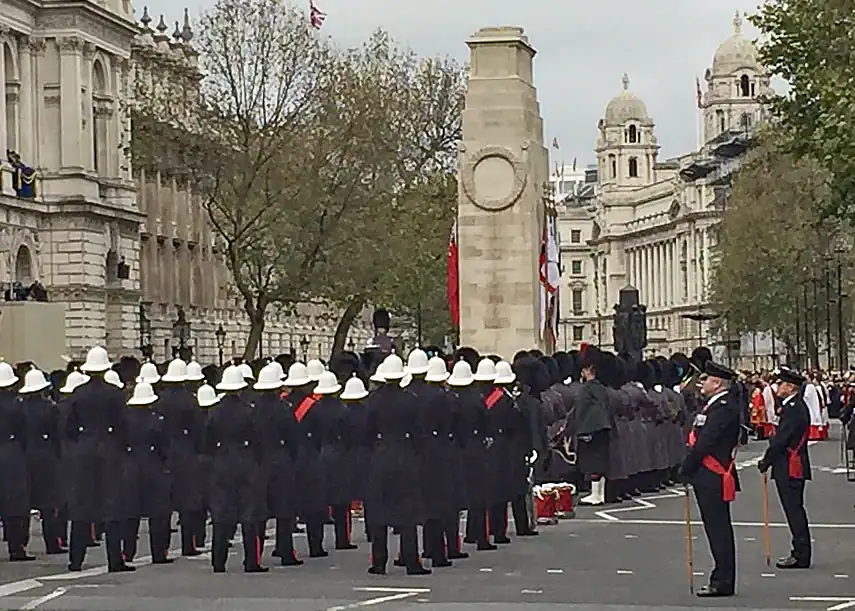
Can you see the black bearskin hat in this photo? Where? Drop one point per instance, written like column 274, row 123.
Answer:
column 552, row 370
column 700, row 357
column 128, row 369
column 645, row 374
column 494, row 357
column 344, row 365
column 630, row 366
column 656, row 366
column 589, row 357
column 607, row 369
column 285, row 360
column 470, row 355
column 382, row 319
column 681, row 361
column 73, row 366
column 257, row 365
column 532, row 375
column 536, row 353
column 212, row 374
column 520, row 354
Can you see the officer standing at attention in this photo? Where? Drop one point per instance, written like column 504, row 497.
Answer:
column 710, row 467
column 787, row 455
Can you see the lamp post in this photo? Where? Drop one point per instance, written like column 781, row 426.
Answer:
column 181, row 333
column 351, row 345
column 145, row 333
column 220, row 333
column 828, row 354
column 304, row 347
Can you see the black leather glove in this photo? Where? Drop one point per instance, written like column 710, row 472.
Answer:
column 763, row 466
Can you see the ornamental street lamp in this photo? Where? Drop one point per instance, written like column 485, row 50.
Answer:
column 220, row 333
column 145, row 333
column 351, row 345
column 304, row 346
column 181, row 334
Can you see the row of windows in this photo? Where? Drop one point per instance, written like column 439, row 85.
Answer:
column 632, row 167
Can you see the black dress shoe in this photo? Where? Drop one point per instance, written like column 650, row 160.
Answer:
column 292, row 561
column 715, row 591
column 418, row 570
column 124, row 568
column 255, row 569
column 458, row 555
column 439, row 564
column 528, row 533
column 319, row 554
column 56, row 551
column 501, row 540
column 376, row 570
column 486, row 547
column 791, row 563
column 75, row 568
column 21, row 557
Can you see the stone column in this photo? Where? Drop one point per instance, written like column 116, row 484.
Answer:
column 26, row 143
column 71, row 102
column 705, row 245
column 503, row 168
column 3, row 71
column 37, row 52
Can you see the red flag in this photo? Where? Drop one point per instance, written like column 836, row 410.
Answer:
column 454, row 278
column 698, row 92
column 316, row 16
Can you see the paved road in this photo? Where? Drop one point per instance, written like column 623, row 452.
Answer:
column 629, row 557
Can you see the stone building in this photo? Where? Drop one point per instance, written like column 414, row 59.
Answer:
column 651, row 223
column 123, row 249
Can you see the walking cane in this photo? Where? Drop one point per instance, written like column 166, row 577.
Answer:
column 767, row 538
column 690, row 555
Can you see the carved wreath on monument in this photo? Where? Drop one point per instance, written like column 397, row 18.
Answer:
column 502, row 170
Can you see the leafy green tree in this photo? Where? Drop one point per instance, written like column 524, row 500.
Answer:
column 772, row 242
column 811, row 44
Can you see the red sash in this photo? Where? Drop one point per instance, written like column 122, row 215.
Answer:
column 728, row 481
column 304, row 406
column 794, row 464
column 493, row 398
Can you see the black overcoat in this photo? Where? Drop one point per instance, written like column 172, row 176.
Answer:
column 332, row 416
column 312, row 501
column 185, row 426
column 394, row 489
column 358, row 451
column 14, row 481
column 473, row 438
column 503, row 423
column 147, row 473
column 97, row 450
column 441, row 465
column 44, row 456
column 277, row 431
column 237, row 483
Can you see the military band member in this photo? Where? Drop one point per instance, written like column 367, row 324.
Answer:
column 787, row 455
column 710, row 467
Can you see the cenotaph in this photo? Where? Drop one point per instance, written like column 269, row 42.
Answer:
column 503, row 169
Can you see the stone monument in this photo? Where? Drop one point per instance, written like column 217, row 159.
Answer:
column 504, row 167
column 630, row 324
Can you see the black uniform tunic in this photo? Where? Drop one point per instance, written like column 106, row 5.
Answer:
column 97, row 450
column 277, row 431
column 44, row 457
column 334, row 433
column 311, row 481
column 185, row 424
column 503, row 422
column 148, row 474
column 14, row 482
column 473, row 431
column 394, row 487
column 237, row 486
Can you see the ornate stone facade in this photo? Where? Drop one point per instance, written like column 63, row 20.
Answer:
column 102, row 238
column 652, row 223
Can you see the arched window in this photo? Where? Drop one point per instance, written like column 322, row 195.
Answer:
column 633, row 134
column 11, row 86
column 745, row 121
column 633, row 167
column 745, row 86
column 100, row 117
column 24, row 266
column 613, row 166
column 720, row 120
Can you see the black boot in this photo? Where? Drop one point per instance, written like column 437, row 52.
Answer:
column 158, row 532
column 220, row 546
column 252, row 548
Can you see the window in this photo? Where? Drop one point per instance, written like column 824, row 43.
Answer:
column 633, row 134
column 745, row 86
column 578, row 333
column 577, row 301
column 613, row 163
column 576, row 268
column 745, row 121
column 575, row 236
column 633, row 167
column 722, row 125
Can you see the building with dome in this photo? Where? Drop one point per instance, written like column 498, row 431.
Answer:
column 127, row 251
column 651, row 223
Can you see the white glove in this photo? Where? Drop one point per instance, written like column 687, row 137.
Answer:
column 533, row 458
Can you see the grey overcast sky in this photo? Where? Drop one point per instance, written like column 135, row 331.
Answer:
column 584, row 48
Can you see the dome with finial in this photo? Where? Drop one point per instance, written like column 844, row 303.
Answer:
column 187, row 31
column 736, row 53
column 176, row 35
column 626, row 106
column 145, row 20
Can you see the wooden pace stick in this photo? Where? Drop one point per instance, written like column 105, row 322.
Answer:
column 767, row 537
column 690, row 555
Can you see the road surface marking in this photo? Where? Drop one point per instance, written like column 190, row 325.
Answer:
column 486, row 570
column 555, row 571
column 606, row 516
column 699, row 523
column 531, row 591
column 38, row 602
column 374, row 601
column 623, row 572
column 841, row 576
column 842, row 606
column 767, row 574
column 390, row 590
column 641, row 504
column 8, row 589
column 822, row 599
column 750, row 539
column 698, row 573
column 630, row 536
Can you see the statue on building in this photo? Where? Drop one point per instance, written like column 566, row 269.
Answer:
column 23, row 176
column 630, row 324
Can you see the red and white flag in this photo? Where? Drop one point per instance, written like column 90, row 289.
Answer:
column 316, row 16
column 698, row 92
column 550, row 279
column 454, row 278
